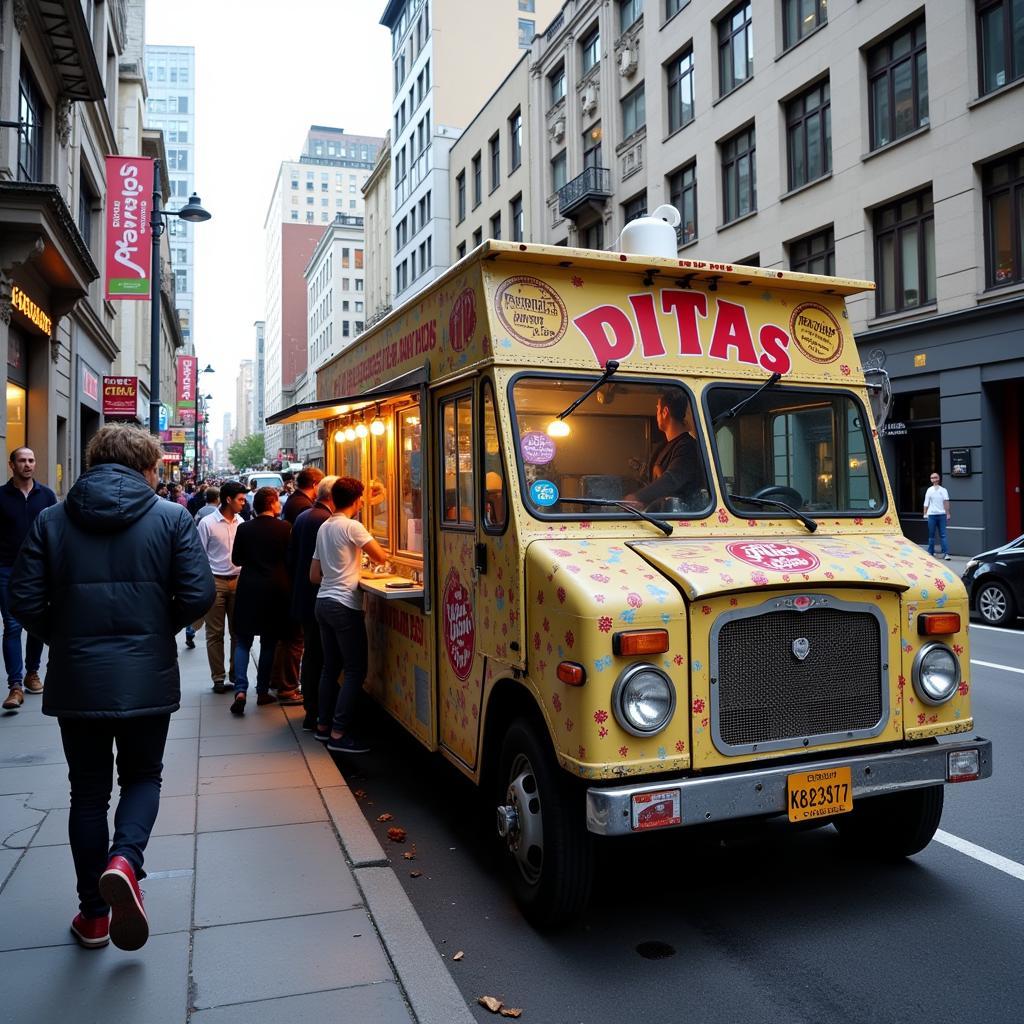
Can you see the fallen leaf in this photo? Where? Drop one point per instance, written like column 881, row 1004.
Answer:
column 459, row 955
column 510, row 1011
column 385, row 817
column 415, row 874
column 409, row 855
column 492, row 1004
column 359, row 793
column 397, row 835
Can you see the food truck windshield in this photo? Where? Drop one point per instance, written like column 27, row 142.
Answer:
column 639, row 442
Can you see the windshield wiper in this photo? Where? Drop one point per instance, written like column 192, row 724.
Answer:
column 729, row 413
column 775, row 503
column 609, row 368
column 665, row 528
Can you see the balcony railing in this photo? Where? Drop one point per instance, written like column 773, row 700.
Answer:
column 595, row 183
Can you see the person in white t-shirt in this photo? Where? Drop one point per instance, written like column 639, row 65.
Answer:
column 936, row 511
column 337, row 558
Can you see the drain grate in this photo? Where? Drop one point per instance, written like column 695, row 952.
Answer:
column 655, row 950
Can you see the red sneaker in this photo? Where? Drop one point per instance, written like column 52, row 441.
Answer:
column 129, row 926
column 91, row 932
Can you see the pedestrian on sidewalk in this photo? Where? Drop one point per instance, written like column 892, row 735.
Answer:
column 339, row 610
column 106, row 579
column 263, row 597
column 936, row 511
column 304, row 593
column 288, row 659
column 217, row 537
column 211, row 495
column 21, row 500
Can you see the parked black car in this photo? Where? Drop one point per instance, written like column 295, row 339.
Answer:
column 995, row 583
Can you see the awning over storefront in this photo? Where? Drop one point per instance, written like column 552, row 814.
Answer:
column 328, row 408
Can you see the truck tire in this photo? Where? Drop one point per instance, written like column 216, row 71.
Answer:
column 893, row 826
column 547, row 849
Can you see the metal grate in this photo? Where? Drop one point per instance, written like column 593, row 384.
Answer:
column 766, row 694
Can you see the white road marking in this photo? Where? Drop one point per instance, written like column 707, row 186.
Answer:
column 993, row 664
column 1000, row 863
column 1005, row 630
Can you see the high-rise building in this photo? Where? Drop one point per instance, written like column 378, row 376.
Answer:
column 309, row 192
column 243, row 398
column 258, row 380
column 229, row 434
column 170, row 77
column 446, row 54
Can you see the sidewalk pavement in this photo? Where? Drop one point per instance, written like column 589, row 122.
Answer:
column 270, row 898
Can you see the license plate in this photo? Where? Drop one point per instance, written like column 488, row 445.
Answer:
column 657, row 810
column 819, row 794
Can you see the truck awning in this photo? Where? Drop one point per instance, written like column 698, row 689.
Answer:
column 328, row 408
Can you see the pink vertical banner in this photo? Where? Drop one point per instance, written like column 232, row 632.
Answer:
column 128, row 248
column 188, row 367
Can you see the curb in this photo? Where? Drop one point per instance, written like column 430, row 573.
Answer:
column 429, row 988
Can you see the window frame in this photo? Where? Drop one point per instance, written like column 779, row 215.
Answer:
column 896, row 230
column 750, row 154
column 517, row 222
column 590, row 49
column 795, row 7
column 981, row 9
column 460, row 195
column 674, row 79
column 494, row 159
column 478, row 178
column 515, row 140
column 1014, row 189
column 886, row 74
column 828, row 251
column 685, row 187
column 30, row 154
column 635, row 206
column 726, row 37
column 801, row 121
column 456, row 525
column 563, row 157
column 494, row 530
column 634, row 100
column 632, row 9
column 556, row 81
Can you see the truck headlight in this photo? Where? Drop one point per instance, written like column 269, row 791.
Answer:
column 936, row 673
column 643, row 700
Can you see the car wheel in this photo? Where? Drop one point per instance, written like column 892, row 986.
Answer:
column 995, row 603
column 541, row 826
column 893, row 826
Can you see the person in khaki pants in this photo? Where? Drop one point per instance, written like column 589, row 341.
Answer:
column 217, row 536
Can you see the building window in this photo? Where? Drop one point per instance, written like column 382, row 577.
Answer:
column 477, row 180
column 515, row 213
column 558, row 178
column 87, row 201
column 814, row 254
column 679, row 74
column 809, row 135
column 494, row 151
column 527, row 6
column 460, row 250
column 590, row 47
column 739, row 175
column 592, row 147
column 905, row 254
column 478, row 237
column 556, row 84
column 898, row 85
column 592, row 236
column 1003, row 183
column 496, row 227
column 457, row 452
column 30, row 137
column 515, row 140
column 800, row 18
column 527, row 30
column 629, row 13
column 634, row 116
column 635, row 207
column 1000, row 42
column 682, row 190
column 735, row 48
column 460, row 195
column 673, row 7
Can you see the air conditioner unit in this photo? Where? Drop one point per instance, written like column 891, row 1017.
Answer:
column 588, row 99
column 627, row 61
column 557, row 130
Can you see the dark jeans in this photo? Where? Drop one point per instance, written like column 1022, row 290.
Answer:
column 937, row 525
column 343, row 632
column 312, row 666
column 89, row 748
column 243, row 648
column 12, row 639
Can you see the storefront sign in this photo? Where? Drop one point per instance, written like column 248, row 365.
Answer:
column 897, row 428
column 188, row 366
column 128, row 255
column 174, row 434
column 23, row 303
column 90, row 384
column 173, row 452
column 779, row 557
column 960, row 462
column 120, row 396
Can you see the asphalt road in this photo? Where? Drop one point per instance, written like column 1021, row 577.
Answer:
column 777, row 925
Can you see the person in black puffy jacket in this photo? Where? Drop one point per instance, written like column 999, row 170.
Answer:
column 106, row 579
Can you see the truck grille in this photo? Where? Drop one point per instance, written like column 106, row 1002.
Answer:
column 769, row 698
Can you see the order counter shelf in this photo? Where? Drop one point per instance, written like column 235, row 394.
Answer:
column 378, row 585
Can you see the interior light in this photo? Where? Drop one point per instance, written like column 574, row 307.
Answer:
column 339, row 436
column 361, row 430
column 558, row 428
column 377, row 426
column 350, row 434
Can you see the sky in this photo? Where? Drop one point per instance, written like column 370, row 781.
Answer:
column 265, row 71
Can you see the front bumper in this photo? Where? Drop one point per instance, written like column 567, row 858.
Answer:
column 762, row 791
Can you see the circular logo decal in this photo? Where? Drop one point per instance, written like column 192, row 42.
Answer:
column 816, row 332
column 462, row 322
column 543, row 493
column 531, row 311
column 779, row 557
column 538, row 449
column 459, row 631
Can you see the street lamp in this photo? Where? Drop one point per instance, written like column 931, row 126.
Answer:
column 194, row 213
column 200, row 405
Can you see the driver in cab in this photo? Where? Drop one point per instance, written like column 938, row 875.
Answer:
column 675, row 469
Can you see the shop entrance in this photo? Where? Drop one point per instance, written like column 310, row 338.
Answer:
column 17, row 391
column 1013, row 456
column 918, row 454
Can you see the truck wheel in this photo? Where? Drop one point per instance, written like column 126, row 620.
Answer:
column 893, row 826
column 541, row 827
column 995, row 603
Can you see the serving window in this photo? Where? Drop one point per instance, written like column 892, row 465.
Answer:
column 494, row 500
column 380, row 470
column 410, row 479
column 457, row 464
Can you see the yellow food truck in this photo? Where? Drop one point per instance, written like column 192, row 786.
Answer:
column 645, row 569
